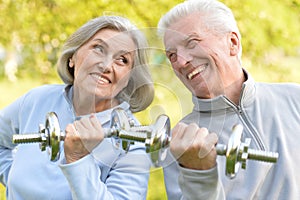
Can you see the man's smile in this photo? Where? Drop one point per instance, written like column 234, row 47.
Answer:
column 196, row 71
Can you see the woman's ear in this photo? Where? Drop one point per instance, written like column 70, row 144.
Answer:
column 234, row 43
column 71, row 62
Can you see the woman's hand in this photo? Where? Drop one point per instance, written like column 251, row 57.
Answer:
column 82, row 137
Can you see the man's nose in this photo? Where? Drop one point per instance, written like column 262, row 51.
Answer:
column 183, row 58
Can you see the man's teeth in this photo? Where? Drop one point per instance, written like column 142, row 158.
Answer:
column 196, row 71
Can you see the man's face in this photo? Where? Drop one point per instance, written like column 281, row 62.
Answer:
column 199, row 56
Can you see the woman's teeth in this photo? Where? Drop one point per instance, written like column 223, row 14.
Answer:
column 101, row 79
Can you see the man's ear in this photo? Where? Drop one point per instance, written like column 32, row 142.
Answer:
column 234, row 43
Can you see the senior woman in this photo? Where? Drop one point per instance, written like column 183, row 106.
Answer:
column 103, row 66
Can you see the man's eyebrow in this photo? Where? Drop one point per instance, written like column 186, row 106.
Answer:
column 168, row 49
column 185, row 40
column 188, row 37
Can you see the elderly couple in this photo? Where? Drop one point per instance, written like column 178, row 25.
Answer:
column 103, row 65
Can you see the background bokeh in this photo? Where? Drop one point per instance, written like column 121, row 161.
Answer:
column 32, row 33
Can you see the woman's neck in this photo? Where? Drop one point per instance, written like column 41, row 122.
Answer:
column 84, row 105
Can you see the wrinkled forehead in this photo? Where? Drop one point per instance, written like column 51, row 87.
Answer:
column 173, row 38
column 183, row 28
column 121, row 40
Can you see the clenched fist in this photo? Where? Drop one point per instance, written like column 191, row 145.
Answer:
column 82, row 137
column 193, row 147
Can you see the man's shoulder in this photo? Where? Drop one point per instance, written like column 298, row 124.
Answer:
column 280, row 88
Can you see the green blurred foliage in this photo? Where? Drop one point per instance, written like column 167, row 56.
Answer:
column 34, row 31
column 271, row 41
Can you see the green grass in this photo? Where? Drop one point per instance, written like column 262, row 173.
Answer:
column 10, row 91
column 2, row 192
column 156, row 187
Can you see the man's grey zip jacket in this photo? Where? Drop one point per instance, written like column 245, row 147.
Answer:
column 270, row 116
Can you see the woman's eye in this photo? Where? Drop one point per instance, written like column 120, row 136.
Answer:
column 99, row 48
column 122, row 60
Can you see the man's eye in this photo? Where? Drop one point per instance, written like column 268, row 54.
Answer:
column 192, row 43
column 172, row 57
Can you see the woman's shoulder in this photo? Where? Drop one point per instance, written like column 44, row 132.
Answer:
column 48, row 88
column 48, row 91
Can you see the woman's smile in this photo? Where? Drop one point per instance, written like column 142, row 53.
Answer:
column 100, row 79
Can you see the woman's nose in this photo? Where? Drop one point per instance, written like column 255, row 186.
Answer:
column 106, row 65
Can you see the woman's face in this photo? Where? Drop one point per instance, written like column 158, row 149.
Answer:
column 102, row 65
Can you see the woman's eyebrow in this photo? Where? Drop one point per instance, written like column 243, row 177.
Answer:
column 124, row 52
column 100, row 41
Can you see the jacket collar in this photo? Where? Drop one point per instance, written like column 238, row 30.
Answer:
column 104, row 116
column 222, row 102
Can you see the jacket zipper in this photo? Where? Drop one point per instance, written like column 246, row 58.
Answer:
column 248, row 125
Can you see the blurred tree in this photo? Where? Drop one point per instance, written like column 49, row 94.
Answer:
column 33, row 31
column 271, row 41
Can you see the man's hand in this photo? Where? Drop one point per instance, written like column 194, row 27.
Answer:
column 193, row 147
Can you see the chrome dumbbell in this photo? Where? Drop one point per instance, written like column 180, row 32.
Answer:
column 236, row 151
column 122, row 127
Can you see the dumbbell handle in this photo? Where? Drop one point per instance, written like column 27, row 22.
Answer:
column 253, row 154
column 132, row 135
column 28, row 138
column 41, row 137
